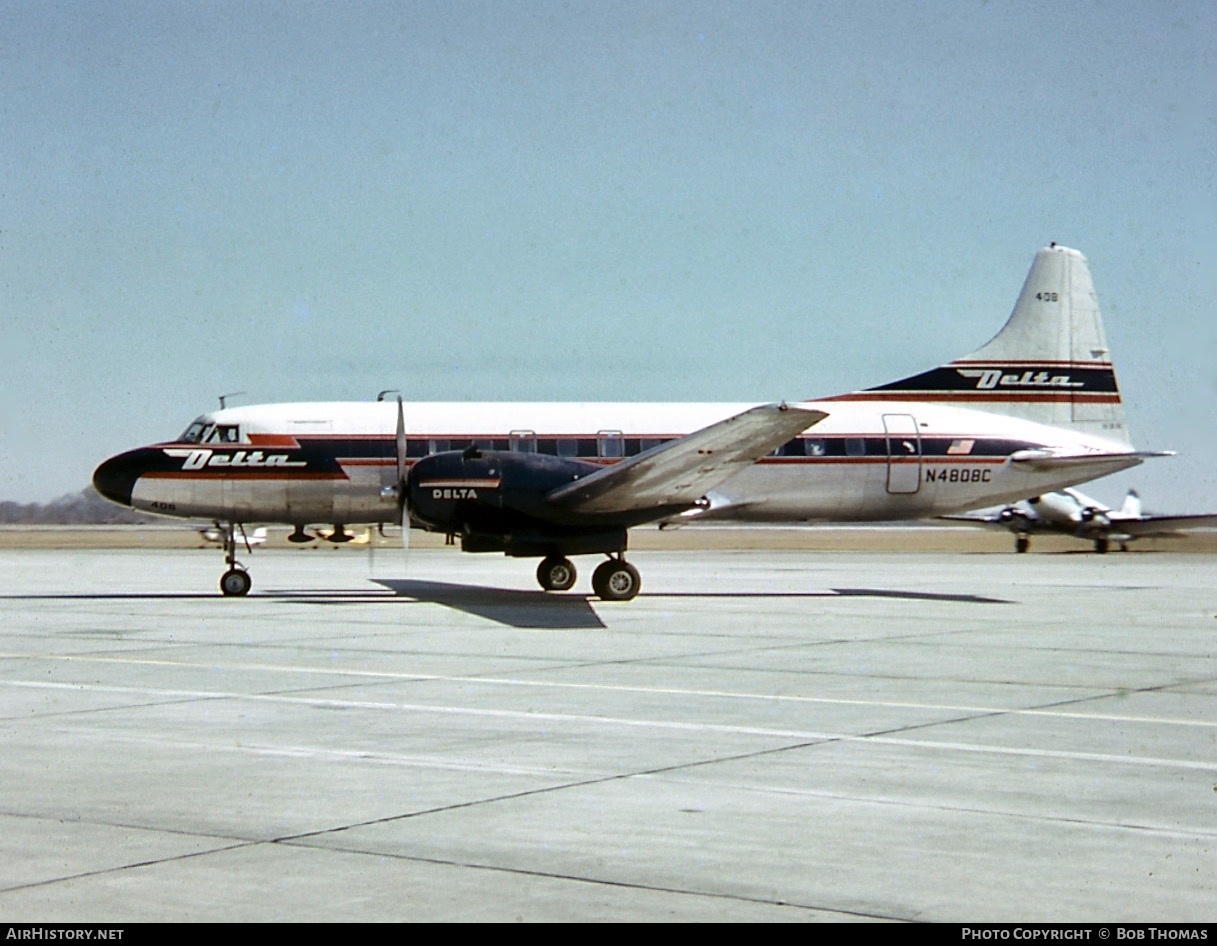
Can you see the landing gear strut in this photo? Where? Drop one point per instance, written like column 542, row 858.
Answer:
column 236, row 581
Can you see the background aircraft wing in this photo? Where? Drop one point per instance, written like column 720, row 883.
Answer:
column 1014, row 518
column 1161, row 525
column 682, row 471
column 976, row 519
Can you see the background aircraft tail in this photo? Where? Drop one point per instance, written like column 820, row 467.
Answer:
column 1131, row 509
column 1049, row 363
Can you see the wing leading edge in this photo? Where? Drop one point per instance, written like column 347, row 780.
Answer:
column 681, row 471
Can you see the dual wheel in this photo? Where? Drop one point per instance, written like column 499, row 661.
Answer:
column 614, row 580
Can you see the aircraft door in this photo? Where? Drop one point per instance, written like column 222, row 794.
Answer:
column 903, row 453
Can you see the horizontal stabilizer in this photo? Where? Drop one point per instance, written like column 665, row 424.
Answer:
column 681, row 471
column 1092, row 464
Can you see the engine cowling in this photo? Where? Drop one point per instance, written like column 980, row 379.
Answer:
column 1092, row 516
column 494, row 501
column 1014, row 519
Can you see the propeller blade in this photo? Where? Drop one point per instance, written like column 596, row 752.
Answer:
column 403, row 487
column 401, row 448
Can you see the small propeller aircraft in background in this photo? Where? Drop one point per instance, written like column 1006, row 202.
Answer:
column 217, row 534
column 1069, row 512
column 1035, row 409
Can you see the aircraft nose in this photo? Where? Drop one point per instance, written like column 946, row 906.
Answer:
column 115, row 478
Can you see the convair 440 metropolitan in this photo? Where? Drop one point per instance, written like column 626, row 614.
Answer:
column 1034, row 410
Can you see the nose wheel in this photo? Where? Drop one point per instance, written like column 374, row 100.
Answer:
column 235, row 583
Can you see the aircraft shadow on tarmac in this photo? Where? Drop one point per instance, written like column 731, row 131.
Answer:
column 524, row 609
column 539, row 609
column 511, row 607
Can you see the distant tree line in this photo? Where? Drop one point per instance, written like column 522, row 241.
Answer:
column 83, row 508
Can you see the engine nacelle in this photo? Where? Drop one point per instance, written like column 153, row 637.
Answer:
column 1014, row 519
column 489, row 493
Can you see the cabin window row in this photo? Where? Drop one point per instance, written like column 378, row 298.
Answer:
column 608, row 446
column 615, row 446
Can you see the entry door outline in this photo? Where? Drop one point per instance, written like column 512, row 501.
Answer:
column 903, row 453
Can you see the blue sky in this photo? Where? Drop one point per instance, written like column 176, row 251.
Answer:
column 587, row 201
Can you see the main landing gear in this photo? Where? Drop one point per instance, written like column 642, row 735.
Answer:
column 614, row 580
column 235, row 582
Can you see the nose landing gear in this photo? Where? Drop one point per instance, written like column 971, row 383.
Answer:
column 236, row 581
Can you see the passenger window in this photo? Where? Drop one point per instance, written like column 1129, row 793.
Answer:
column 610, row 444
column 855, row 447
column 523, row 441
column 568, row 447
column 438, row 446
column 814, row 447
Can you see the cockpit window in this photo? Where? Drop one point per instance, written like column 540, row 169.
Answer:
column 195, row 432
column 223, row 433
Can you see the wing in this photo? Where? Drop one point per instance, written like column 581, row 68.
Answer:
column 681, row 471
column 1161, row 525
column 1016, row 518
column 975, row 520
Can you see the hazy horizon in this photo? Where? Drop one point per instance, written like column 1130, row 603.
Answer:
column 584, row 201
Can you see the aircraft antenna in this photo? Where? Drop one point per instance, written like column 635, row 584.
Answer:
column 223, row 397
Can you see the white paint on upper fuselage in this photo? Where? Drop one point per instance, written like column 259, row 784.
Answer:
column 633, row 419
column 850, row 488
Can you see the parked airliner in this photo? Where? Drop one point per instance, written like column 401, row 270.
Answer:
column 1035, row 409
column 1069, row 512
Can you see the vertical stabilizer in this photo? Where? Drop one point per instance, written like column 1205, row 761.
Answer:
column 1132, row 506
column 1049, row 363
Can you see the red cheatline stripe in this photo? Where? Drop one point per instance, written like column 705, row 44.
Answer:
column 979, row 396
column 274, row 440
column 459, row 483
column 1028, row 362
column 935, row 459
column 233, row 473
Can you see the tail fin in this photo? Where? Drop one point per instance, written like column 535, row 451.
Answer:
column 1049, row 363
column 1131, row 509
